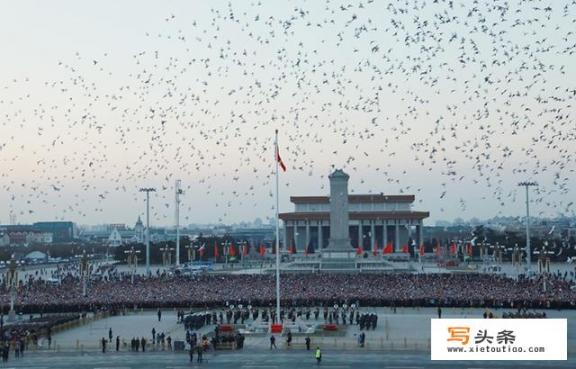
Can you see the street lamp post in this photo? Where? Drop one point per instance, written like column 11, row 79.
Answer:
column 179, row 192
column 132, row 260
column 84, row 272
column 191, row 252
column 526, row 185
column 226, row 246
column 148, row 190
column 12, row 279
column 544, row 263
column 497, row 253
column 167, row 255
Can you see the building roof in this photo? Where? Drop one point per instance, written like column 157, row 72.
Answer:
column 36, row 255
column 338, row 173
column 356, row 215
column 353, row 199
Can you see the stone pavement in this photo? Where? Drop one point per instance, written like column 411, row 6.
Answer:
column 134, row 324
column 407, row 329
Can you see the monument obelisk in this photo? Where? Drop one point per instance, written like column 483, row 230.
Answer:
column 339, row 253
column 339, row 235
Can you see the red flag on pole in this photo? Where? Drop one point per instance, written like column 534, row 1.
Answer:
column 201, row 251
column 279, row 159
column 216, row 251
column 358, row 251
column 469, row 249
column 292, row 248
column 422, row 249
column 232, row 250
column 262, row 250
column 387, row 249
column 453, row 249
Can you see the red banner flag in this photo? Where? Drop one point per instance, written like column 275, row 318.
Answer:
column 405, row 249
column 387, row 249
column 453, row 248
column 358, row 251
column 262, row 250
column 232, row 250
column 292, row 248
column 279, row 160
column 216, row 250
column 421, row 250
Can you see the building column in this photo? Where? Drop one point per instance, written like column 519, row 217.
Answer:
column 397, row 237
column 420, row 234
column 385, row 233
column 372, row 235
column 319, row 235
column 307, row 235
column 285, row 235
column 295, row 236
column 360, row 241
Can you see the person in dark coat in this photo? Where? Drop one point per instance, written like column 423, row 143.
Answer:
column 103, row 342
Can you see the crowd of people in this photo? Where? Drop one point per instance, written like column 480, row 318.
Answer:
column 304, row 289
column 20, row 336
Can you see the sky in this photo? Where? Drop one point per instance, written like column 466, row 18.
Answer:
column 452, row 101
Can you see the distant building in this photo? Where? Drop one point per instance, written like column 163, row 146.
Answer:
column 370, row 219
column 115, row 239
column 23, row 235
column 4, row 239
column 139, row 231
column 255, row 236
column 119, row 226
column 61, row 231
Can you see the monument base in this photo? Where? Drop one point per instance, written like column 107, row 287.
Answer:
column 338, row 260
column 338, row 254
column 12, row 315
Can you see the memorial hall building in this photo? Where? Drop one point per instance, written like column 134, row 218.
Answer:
column 373, row 220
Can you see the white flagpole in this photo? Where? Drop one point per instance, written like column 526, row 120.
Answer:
column 277, row 234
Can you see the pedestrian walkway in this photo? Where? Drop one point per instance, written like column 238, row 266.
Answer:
column 405, row 329
column 139, row 324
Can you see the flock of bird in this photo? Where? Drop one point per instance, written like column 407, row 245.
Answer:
column 446, row 99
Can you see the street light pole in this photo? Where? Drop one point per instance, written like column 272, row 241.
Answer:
column 132, row 261
column 12, row 279
column 528, row 250
column 84, row 272
column 148, row 190
column 178, row 193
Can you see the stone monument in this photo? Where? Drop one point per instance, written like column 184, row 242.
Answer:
column 339, row 253
column 339, row 235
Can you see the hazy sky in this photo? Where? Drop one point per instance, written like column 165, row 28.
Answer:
column 455, row 102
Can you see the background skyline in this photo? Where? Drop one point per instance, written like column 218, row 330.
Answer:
column 453, row 102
